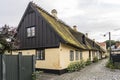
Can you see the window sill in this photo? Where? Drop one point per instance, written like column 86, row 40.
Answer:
column 31, row 37
column 41, row 59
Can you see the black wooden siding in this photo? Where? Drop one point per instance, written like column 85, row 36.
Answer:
column 45, row 36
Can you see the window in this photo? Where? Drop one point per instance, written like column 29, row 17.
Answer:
column 81, row 55
column 40, row 55
column 71, row 55
column 93, row 44
column 90, row 55
column 19, row 52
column 30, row 31
column 77, row 55
column 93, row 54
column 83, row 39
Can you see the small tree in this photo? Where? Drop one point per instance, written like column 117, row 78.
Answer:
column 6, row 36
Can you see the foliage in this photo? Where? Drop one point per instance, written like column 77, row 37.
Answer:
column 88, row 62
column 95, row 59
column 82, row 62
column 4, row 46
column 110, row 65
column 117, row 65
column 76, row 66
column 113, row 42
column 34, row 75
column 6, row 33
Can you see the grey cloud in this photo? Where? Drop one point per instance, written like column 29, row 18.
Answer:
column 95, row 16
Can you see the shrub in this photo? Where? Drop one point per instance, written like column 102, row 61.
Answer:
column 73, row 67
column 117, row 65
column 110, row 65
column 95, row 59
column 88, row 62
column 76, row 66
column 82, row 63
column 34, row 75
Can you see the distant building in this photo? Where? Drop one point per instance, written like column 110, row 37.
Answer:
column 117, row 45
column 103, row 45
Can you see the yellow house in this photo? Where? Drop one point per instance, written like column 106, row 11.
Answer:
column 54, row 43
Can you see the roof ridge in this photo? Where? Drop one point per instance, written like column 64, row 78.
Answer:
column 59, row 20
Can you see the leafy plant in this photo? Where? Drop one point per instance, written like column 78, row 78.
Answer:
column 6, row 37
column 34, row 75
column 76, row 66
column 117, row 65
column 95, row 59
column 88, row 62
column 110, row 65
column 82, row 63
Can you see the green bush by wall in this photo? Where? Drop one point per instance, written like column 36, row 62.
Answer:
column 88, row 62
column 95, row 59
column 76, row 66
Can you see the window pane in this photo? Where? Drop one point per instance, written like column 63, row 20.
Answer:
column 93, row 54
column 80, row 54
column 40, row 55
column 83, row 39
column 71, row 55
column 90, row 55
column 77, row 55
column 32, row 31
column 37, row 55
column 28, row 32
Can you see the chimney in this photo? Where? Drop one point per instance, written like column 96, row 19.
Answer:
column 75, row 27
column 86, row 34
column 54, row 13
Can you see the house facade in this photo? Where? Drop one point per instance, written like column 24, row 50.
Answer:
column 54, row 43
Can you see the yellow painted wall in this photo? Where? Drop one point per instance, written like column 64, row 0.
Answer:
column 56, row 58
column 65, row 55
column 51, row 59
column 24, row 52
column 85, row 55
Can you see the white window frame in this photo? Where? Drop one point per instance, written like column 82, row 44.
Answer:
column 40, row 54
column 31, row 31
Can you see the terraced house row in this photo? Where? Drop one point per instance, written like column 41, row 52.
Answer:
column 54, row 43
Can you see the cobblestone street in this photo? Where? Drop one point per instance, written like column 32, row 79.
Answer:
column 96, row 71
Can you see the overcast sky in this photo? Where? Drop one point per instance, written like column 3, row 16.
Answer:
column 95, row 17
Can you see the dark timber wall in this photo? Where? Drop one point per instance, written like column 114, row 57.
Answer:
column 44, row 34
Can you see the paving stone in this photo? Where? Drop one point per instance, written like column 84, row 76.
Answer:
column 96, row 71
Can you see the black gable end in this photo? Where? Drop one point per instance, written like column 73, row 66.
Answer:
column 45, row 36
